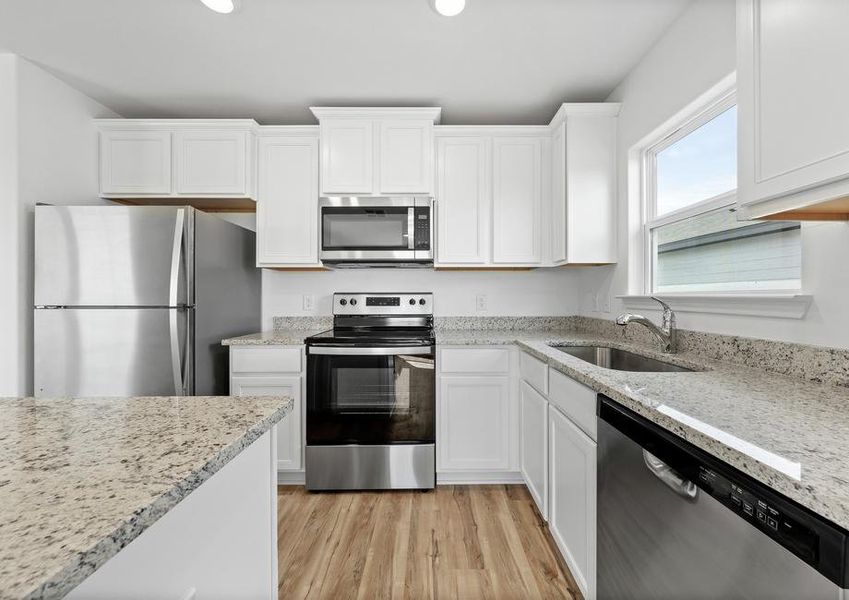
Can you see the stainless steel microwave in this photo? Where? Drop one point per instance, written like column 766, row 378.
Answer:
column 387, row 231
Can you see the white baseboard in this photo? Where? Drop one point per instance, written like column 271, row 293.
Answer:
column 478, row 477
column 290, row 478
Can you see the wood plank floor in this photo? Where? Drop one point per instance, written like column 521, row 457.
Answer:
column 455, row 542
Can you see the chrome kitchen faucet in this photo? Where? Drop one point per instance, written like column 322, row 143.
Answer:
column 666, row 334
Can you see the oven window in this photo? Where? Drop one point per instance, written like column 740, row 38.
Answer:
column 361, row 228
column 370, row 399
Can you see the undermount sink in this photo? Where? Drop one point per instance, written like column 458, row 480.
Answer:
column 620, row 360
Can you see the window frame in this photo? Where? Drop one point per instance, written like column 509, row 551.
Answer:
column 711, row 108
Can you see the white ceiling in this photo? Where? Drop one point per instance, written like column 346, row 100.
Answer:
column 500, row 61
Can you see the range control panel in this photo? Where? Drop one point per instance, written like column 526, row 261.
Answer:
column 801, row 540
column 383, row 304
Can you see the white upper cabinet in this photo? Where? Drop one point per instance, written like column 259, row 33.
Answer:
column 793, row 123
column 211, row 162
column 406, row 156
column 135, row 162
column 347, row 156
column 517, row 200
column 583, row 187
column 464, row 197
column 191, row 159
column 287, row 198
column 376, row 151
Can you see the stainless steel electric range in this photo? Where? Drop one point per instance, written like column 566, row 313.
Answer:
column 371, row 399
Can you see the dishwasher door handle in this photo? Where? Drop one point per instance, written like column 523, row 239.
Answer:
column 684, row 488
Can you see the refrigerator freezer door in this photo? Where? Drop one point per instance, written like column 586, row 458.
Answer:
column 112, row 352
column 110, row 256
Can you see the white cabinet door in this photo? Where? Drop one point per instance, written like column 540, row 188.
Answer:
column 289, row 439
column 572, row 512
column 517, row 200
column 347, row 156
column 558, row 195
column 473, row 418
column 135, row 162
column 463, row 200
column 534, row 458
column 211, row 162
column 287, row 201
column 792, row 90
column 406, row 156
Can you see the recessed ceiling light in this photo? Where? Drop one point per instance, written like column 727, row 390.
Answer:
column 449, row 8
column 220, row 6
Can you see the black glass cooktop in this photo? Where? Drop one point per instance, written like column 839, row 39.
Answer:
column 373, row 337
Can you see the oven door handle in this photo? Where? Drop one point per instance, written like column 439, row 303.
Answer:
column 355, row 351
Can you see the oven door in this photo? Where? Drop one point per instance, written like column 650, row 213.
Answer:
column 371, row 395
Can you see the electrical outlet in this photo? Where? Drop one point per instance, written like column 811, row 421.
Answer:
column 595, row 302
column 480, row 303
column 605, row 303
column 309, row 302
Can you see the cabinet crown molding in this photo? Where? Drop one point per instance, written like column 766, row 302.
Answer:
column 172, row 124
column 585, row 109
column 433, row 113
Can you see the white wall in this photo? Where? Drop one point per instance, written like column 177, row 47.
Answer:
column 696, row 53
column 542, row 292
column 55, row 161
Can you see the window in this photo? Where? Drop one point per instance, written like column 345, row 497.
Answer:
column 694, row 241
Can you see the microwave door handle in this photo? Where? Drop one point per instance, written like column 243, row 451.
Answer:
column 411, row 228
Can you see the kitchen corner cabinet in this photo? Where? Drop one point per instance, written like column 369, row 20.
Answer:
column 275, row 371
column 583, row 187
column 793, row 128
column 177, row 160
column 287, row 198
column 376, row 151
column 534, row 455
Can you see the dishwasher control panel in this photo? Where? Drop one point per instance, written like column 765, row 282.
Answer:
column 803, row 541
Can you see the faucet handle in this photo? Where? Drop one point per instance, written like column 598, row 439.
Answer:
column 668, row 314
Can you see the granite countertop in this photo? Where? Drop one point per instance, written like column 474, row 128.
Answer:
column 278, row 337
column 81, row 478
column 787, row 433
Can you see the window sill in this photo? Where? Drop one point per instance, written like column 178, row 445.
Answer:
column 788, row 305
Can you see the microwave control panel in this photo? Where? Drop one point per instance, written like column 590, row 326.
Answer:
column 422, row 227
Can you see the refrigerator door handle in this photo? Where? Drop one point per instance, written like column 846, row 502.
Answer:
column 174, row 330
column 176, row 255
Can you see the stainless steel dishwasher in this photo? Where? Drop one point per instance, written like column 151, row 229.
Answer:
column 676, row 523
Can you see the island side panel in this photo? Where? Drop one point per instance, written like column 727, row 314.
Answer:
column 219, row 542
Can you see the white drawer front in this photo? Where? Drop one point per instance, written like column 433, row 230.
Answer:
column 534, row 371
column 576, row 401
column 475, row 360
column 266, row 360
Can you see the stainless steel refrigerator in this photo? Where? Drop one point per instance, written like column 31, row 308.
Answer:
column 135, row 300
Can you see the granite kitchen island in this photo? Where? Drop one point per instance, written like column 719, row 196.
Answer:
column 148, row 497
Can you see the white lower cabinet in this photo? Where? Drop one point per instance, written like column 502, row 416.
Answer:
column 275, row 371
column 534, row 418
column 477, row 415
column 572, row 509
column 289, row 439
column 218, row 542
column 474, row 423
